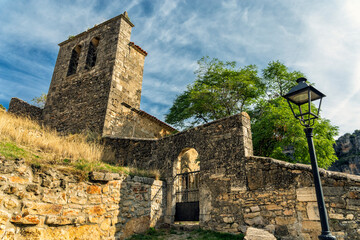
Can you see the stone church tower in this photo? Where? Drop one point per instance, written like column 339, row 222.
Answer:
column 96, row 84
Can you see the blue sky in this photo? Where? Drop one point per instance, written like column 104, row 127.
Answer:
column 320, row 38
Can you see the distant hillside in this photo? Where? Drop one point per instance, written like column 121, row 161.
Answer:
column 347, row 149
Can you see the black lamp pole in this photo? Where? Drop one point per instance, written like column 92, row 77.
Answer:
column 325, row 230
column 300, row 95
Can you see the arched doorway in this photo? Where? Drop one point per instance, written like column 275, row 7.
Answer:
column 187, row 185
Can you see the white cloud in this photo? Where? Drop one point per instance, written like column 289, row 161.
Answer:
column 319, row 38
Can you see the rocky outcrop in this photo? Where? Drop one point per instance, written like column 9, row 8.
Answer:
column 347, row 149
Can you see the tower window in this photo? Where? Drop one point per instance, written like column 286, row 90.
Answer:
column 91, row 56
column 74, row 60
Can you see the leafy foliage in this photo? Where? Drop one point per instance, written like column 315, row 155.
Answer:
column 219, row 90
column 278, row 79
column 40, row 101
column 2, row 107
column 277, row 134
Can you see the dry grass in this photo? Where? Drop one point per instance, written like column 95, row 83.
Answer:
column 53, row 148
column 23, row 138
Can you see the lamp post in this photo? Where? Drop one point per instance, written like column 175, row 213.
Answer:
column 302, row 95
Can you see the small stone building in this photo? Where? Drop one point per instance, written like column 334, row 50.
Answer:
column 96, row 86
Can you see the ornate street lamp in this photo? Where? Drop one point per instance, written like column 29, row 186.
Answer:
column 302, row 95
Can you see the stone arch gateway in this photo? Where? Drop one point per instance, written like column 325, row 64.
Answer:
column 186, row 185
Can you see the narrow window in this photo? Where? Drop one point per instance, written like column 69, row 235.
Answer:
column 74, row 60
column 91, row 56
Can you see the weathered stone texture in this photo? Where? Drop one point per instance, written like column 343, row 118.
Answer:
column 221, row 139
column 22, row 108
column 54, row 205
column 90, row 97
column 133, row 123
column 258, row 234
column 79, row 101
column 238, row 190
column 280, row 197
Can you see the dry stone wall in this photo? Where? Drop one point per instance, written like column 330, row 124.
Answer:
column 47, row 204
column 224, row 139
column 238, row 190
column 22, row 108
column 280, row 197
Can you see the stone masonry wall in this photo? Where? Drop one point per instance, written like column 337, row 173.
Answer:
column 22, row 108
column 224, row 138
column 216, row 143
column 79, row 101
column 47, row 204
column 238, row 190
column 133, row 123
column 280, row 197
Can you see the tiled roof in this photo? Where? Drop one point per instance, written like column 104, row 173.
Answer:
column 139, row 49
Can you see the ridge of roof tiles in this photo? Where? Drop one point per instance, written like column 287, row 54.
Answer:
column 138, row 48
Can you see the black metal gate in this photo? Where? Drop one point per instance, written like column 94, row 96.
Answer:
column 187, row 196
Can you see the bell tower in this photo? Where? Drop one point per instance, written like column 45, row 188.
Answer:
column 95, row 72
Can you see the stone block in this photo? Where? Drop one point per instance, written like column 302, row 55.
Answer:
column 10, row 203
column 93, row 189
column 59, row 220
column 31, row 233
column 333, row 191
column 96, row 210
column 306, row 194
column 78, row 200
column 251, row 215
column 312, row 211
column 334, row 216
column 285, row 220
column 42, row 208
column 71, row 212
column 272, row 207
column 16, row 179
column 255, row 209
column 228, row 219
column 54, row 196
column 257, row 221
column 105, row 225
column 311, row 226
column 25, row 220
column 258, row 234
column 136, row 225
column 4, row 217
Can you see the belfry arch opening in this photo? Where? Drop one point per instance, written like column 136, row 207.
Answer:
column 74, row 60
column 92, row 53
column 187, row 179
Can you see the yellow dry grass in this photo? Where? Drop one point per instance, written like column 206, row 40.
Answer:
column 52, row 147
column 23, row 138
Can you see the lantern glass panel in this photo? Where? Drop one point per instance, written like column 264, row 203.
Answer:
column 303, row 97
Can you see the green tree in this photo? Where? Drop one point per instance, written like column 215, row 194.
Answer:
column 220, row 90
column 278, row 79
column 40, row 101
column 276, row 133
